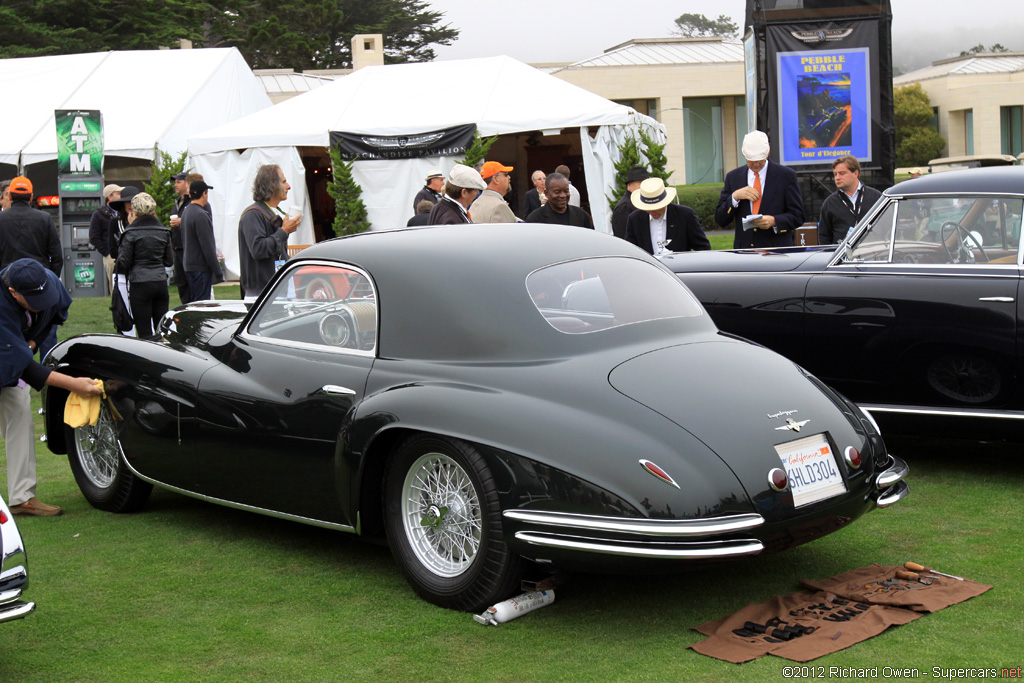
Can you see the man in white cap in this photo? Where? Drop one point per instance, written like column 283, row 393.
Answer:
column 463, row 187
column 432, row 190
column 660, row 225
column 761, row 188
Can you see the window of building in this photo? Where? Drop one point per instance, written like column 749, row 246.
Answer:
column 702, row 126
column 969, row 131
column 1011, row 125
column 741, row 129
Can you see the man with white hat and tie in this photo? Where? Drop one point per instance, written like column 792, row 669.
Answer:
column 661, row 225
column 762, row 199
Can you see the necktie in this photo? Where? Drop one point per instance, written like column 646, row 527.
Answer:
column 756, row 206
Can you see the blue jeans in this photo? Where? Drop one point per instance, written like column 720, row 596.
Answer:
column 200, row 285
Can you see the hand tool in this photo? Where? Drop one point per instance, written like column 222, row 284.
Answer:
column 911, row 576
column 915, row 567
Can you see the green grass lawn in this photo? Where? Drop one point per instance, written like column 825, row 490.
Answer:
column 189, row 591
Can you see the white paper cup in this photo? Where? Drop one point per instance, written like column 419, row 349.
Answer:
column 293, row 211
column 173, row 216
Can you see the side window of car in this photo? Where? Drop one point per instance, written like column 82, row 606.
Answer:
column 320, row 305
column 873, row 245
column 966, row 230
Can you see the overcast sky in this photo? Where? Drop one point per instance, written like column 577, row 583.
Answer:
column 571, row 30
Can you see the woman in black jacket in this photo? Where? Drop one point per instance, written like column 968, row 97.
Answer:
column 145, row 254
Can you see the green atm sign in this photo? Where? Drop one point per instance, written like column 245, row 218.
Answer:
column 79, row 186
column 79, row 142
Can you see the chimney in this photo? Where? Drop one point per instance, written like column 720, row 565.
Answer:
column 367, row 50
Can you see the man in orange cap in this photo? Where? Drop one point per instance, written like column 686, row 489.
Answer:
column 490, row 206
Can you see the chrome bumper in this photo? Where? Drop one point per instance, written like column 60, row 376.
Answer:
column 636, row 537
column 889, row 485
column 13, row 572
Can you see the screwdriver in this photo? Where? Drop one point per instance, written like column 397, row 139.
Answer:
column 911, row 576
column 914, row 566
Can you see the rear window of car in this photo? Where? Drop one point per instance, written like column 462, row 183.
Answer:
column 589, row 295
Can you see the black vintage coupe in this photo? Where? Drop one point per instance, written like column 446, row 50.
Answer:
column 490, row 399
column 919, row 314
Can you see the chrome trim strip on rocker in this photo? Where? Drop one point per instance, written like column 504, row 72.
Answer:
column 706, row 550
column 710, row 526
column 247, row 508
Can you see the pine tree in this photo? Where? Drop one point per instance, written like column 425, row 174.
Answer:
column 350, row 215
column 655, row 153
column 629, row 156
column 477, row 151
column 160, row 185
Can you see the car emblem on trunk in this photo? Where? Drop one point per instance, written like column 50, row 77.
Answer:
column 658, row 472
column 792, row 424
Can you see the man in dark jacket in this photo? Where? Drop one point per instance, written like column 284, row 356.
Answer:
column 201, row 265
column 463, row 187
column 32, row 301
column 557, row 210
column 99, row 227
column 761, row 188
column 843, row 208
column 660, row 225
column 177, row 244
column 624, row 207
column 432, row 191
column 29, row 233
column 26, row 232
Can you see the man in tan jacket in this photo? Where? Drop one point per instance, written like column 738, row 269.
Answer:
column 490, row 206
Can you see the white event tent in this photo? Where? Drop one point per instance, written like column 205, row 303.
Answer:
column 147, row 98
column 498, row 94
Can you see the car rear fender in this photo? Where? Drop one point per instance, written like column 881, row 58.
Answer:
column 563, row 443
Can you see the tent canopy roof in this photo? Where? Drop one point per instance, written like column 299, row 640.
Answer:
column 125, row 86
column 499, row 94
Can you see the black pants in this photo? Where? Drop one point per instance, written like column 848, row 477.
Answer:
column 179, row 276
column 149, row 302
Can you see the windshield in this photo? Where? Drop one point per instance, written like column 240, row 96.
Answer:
column 589, row 295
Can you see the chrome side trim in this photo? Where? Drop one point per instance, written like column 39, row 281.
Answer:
column 697, row 552
column 645, row 527
column 242, row 506
column 894, row 473
column 998, row 299
column 945, row 412
column 893, row 495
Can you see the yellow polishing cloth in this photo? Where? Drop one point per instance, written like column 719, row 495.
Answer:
column 80, row 410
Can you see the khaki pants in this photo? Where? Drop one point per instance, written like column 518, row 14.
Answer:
column 108, row 268
column 20, row 441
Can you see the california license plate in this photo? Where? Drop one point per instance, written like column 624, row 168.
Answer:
column 811, row 468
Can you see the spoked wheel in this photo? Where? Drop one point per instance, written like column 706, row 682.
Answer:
column 964, row 378
column 100, row 469
column 444, row 524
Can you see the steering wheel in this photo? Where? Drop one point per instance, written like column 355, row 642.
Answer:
column 964, row 242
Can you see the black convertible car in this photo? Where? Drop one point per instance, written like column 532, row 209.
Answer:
column 485, row 397
column 919, row 313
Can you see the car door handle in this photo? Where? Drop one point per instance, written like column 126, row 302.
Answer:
column 335, row 390
column 999, row 299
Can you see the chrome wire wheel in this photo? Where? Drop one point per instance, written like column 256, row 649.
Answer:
column 441, row 515
column 98, row 450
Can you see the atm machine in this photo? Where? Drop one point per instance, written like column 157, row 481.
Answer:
column 83, row 273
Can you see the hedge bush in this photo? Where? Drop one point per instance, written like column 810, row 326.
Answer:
column 703, row 199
